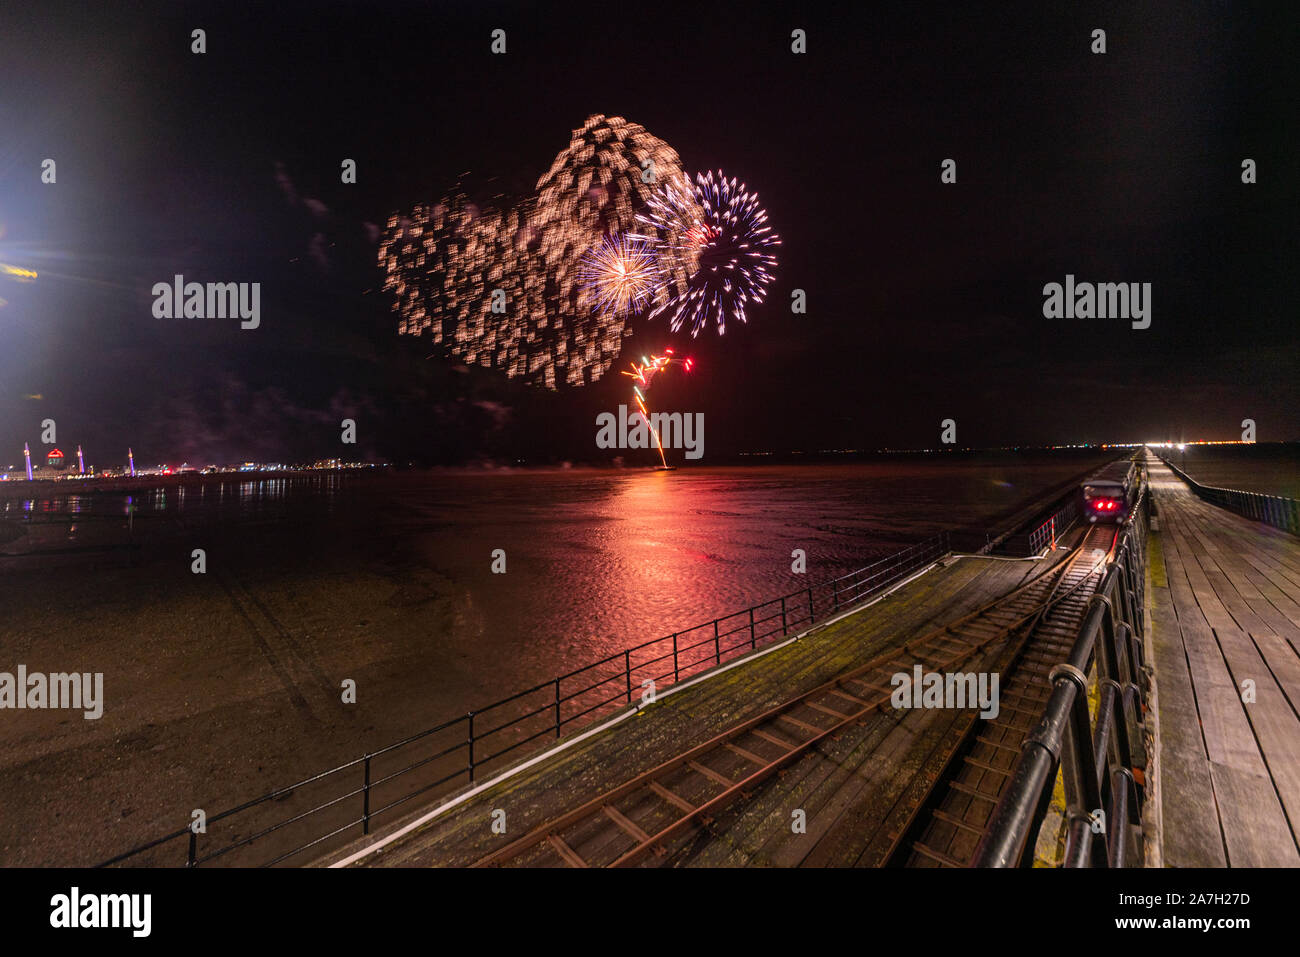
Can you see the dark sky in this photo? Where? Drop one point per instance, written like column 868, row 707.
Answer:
column 925, row 300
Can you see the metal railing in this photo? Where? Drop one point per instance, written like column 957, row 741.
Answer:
column 1046, row 534
column 1276, row 510
column 460, row 751
column 1101, row 758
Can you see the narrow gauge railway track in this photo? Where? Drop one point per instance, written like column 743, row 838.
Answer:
column 644, row 814
column 948, row 824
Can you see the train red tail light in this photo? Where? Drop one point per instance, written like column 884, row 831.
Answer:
column 1105, row 504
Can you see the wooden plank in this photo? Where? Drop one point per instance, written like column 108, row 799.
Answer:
column 747, row 755
column 985, row 766
column 1239, row 574
column 841, row 693
column 1228, row 736
column 711, row 774
column 672, row 798
column 831, row 712
column 1283, row 660
column 781, row 743
column 566, row 852
column 1234, row 558
column 957, row 822
column 625, row 823
column 973, row 792
column 1229, row 739
column 1190, row 832
column 937, row 856
column 1243, row 616
column 1203, row 592
column 1254, row 826
column 1273, row 547
column 1277, row 729
column 811, row 728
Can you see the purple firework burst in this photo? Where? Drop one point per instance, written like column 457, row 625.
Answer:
column 720, row 224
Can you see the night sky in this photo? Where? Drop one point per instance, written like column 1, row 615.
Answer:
column 924, row 300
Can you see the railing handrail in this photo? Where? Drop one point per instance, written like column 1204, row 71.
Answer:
column 1182, row 474
column 1279, row 511
column 845, row 592
column 1097, row 758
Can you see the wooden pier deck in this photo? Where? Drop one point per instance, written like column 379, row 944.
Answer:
column 850, row 788
column 1225, row 616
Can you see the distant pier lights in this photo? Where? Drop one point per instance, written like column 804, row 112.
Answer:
column 130, row 459
column 27, row 455
column 81, row 462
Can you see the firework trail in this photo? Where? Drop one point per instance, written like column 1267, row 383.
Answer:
column 445, row 263
column 644, row 374
column 731, row 239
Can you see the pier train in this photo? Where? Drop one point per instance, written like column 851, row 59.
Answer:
column 1107, row 493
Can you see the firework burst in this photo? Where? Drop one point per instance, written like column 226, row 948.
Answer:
column 447, row 264
column 544, row 289
column 619, row 276
column 729, row 238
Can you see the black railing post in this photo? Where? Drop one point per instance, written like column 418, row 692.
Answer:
column 676, row 673
column 753, row 641
column 365, row 801
column 717, row 642
column 557, row 707
column 811, row 617
column 627, row 671
column 785, row 627
column 191, row 859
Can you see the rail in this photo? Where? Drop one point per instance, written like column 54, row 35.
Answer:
column 1102, row 757
column 1056, row 525
column 1276, row 510
column 457, row 752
